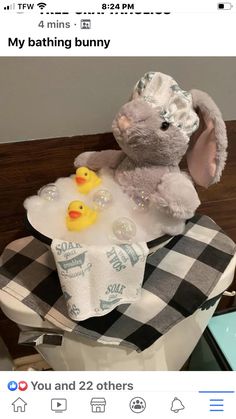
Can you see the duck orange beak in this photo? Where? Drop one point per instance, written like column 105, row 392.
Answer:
column 80, row 180
column 74, row 214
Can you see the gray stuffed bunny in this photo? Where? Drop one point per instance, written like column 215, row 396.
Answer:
column 158, row 126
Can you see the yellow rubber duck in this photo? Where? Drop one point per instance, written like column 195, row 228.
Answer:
column 79, row 216
column 86, row 180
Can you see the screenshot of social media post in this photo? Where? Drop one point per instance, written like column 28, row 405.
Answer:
column 117, row 209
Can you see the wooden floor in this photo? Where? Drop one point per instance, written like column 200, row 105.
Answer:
column 26, row 166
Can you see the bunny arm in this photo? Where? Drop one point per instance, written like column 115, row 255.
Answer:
column 96, row 160
column 176, row 196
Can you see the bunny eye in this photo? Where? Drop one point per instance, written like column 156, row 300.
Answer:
column 164, row 126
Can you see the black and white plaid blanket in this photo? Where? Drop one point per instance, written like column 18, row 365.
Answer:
column 178, row 279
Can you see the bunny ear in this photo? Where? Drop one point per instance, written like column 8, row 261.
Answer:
column 207, row 154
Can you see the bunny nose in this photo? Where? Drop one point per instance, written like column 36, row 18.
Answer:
column 123, row 123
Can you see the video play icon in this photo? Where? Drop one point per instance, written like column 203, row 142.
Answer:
column 58, row 405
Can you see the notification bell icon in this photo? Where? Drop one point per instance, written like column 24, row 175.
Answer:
column 176, row 405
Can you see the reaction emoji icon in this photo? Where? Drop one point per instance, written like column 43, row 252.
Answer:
column 22, row 386
column 13, row 385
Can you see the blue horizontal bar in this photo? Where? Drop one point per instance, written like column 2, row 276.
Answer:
column 215, row 410
column 206, row 391
column 216, row 400
column 216, row 405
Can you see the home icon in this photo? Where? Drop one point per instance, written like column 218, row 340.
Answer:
column 19, row 405
column 98, row 404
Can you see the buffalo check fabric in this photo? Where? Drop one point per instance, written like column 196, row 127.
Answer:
column 178, row 279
